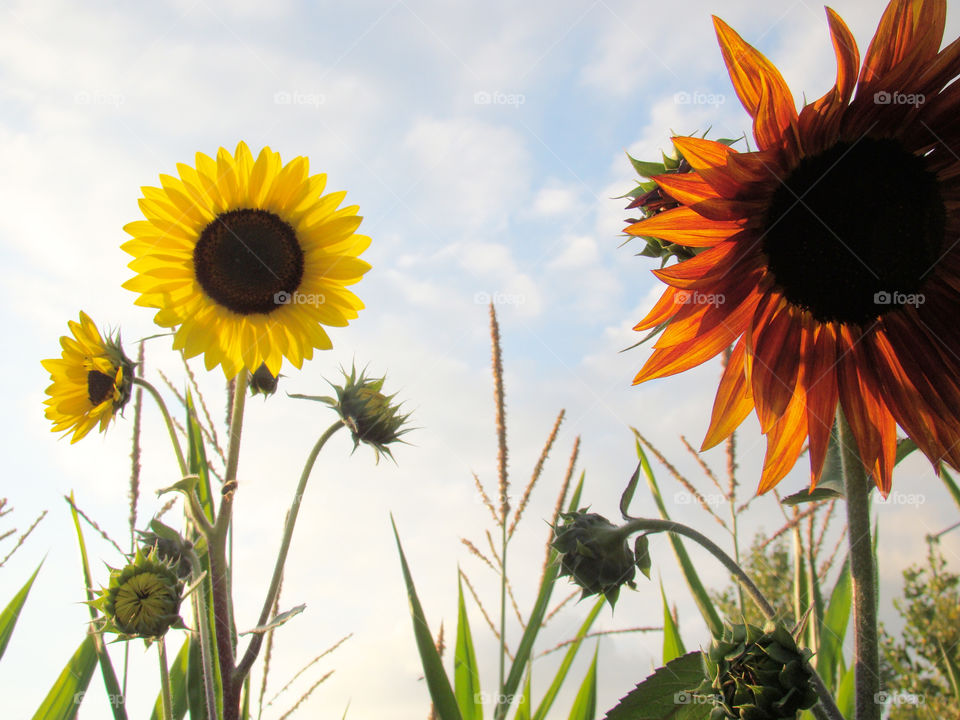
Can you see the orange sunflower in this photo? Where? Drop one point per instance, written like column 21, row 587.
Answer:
column 828, row 258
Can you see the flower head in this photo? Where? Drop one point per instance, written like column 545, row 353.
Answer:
column 758, row 674
column 595, row 554
column 90, row 380
column 246, row 259
column 829, row 256
column 142, row 599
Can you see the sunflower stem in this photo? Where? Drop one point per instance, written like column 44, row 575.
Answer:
column 219, row 570
column 146, row 385
column 253, row 649
column 164, row 680
column 829, row 705
column 863, row 575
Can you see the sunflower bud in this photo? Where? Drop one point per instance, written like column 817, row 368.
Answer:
column 262, row 382
column 758, row 674
column 595, row 554
column 370, row 415
column 142, row 599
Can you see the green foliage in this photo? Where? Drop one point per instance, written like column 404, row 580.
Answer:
column 668, row 694
column 916, row 674
column 64, row 698
column 8, row 618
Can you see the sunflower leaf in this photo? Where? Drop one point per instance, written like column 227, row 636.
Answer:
column 647, row 169
column 277, row 621
column 667, row 694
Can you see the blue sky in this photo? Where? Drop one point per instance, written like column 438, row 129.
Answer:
column 484, row 143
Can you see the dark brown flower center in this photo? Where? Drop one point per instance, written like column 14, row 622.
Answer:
column 248, row 261
column 852, row 233
column 99, row 387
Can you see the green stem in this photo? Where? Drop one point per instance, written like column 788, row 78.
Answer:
column 165, row 680
column 653, row 525
column 253, row 649
column 503, row 604
column 863, row 575
column 216, row 544
column 146, row 385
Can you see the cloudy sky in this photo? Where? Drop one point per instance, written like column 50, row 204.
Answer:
column 484, row 143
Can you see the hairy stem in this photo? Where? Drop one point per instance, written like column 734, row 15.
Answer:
column 146, row 385
column 164, row 680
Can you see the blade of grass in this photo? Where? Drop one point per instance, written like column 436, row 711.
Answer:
column 8, row 619
column 438, row 684
column 112, row 686
column 672, row 642
column 568, row 659
column 466, row 677
column 951, row 485
column 829, row 657
column 524, row 706
column 63, row 700
column 178, row 685
column 700, row 596
column 534, row 624
column 585, row 703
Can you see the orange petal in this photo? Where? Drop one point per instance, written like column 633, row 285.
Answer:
column 709, row 159
column 774, row 344
column 686, row 188
column 733, row 402
column 711, row 264
column 784, row 443
column 667, row 306
column 909, row 33
column 820, row 381
column 684, row 226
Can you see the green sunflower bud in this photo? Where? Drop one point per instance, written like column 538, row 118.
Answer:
column 758, row 674
column 142, row 599
column 371, row 416
column 595, row 554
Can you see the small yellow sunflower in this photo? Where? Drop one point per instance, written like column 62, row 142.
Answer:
column 247, row 259
column 830, row 256
column 91, row 381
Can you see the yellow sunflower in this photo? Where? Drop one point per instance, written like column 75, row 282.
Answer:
column 91, row 380
column 829, row 256
column 247, row 259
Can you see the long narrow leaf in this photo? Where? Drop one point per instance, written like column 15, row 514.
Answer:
column 846, row 697
column 444, row 701
column 112, row 686
column 700, row 596
column 525, row 703
column 196, row 692
column 534, row 623
column 178, row 685
column 585, row 703
column 8, row 618
column 466, row 675
column 951, row 485
column 568, row 658
column 672, row 642
column 829, row 657
column 197, row 458
column 63, row 700
column 953, row 671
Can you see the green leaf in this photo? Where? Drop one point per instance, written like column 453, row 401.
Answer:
column 829, row 655
column 699, row 593
column 8, row 619
column 805, row 496
column 585, row 703
column 951, row 485
column 197, row 459
column 196, row 692
column 444, row 701
column 277, row 621
column 641, row 551
column 905, row 446
column 628, row 493
column 178, row 685
column 524, row 707
column 830, row 485
column 534, row 624
column 647, row 169
column 672, row 642
column 953, row 671
column 568, row 658
column 667, row 694
column 846, row 694
column 63, row 700
column 466, row 675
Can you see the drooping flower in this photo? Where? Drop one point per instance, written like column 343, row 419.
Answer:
column 90, row 380
column 246, row 259
column 830, row 258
